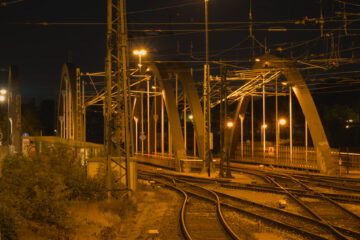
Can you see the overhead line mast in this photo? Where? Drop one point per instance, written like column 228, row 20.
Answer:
column 207, row 127
column 118, row 126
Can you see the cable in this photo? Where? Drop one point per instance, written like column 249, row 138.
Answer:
column 4, row 4
column 165, row 8
column 349, row 3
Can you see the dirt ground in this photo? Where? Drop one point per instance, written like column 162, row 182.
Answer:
column 150, row 209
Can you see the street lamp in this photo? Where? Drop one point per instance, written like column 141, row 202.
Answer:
column 136, row 133
column 3, row 93
column 282, row 121
column 139, row 52
column 229, row 124
column 263, row 128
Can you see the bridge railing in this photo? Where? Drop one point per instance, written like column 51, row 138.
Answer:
column 79, row 149
column 300, row 158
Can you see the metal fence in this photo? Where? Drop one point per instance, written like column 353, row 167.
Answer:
column 81, row 150
column 300, row 158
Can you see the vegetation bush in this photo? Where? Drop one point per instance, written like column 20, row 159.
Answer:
column 35, row 193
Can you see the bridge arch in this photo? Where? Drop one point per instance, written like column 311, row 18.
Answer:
column 71, row 115
column 325, row 161
column 164, row 73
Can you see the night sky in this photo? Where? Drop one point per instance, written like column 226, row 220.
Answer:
column 40, row 51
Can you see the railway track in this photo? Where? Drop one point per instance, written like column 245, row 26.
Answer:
column 199, row 217
column 332, row 179
column 205, row 218
column 341, row 192
column 346, row 198
column 298, row 192
column 327, row 205
column 333, row 220
column 304, row 226
column 340, row 184
column 324, row 209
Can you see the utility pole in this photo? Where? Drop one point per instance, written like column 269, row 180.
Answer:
column 14, row 111
column 148, row 114
column 252, row 127
column 222, row 119
column 116, row 73
column 263, row 127
column 130, row 170
column 291, row 124
column 108, row 113
column 207, row 156
column 277, row 135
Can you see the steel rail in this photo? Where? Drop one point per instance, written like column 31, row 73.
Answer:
column 333, row 185
column 297, row 192
column 319, row 222
column 183, row 227
column 325, row 198
column 221, row 218
column 305, row 218
column 225, row 225
column 323, row 224
column 227, row 184
column 302, row 204
column 255, row 173
column 218, row 209
column 333, row 228
column 265, row 219
column 327, row 178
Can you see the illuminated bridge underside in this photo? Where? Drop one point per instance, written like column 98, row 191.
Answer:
column 325, row 161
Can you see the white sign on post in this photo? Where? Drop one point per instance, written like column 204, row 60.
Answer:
column 142, row 136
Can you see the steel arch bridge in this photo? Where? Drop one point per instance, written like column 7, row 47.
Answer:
column 326, row 163
column 157, row 85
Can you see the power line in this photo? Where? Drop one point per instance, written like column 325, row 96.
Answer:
column 165, row 8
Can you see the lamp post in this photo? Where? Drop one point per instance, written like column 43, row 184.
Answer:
column 229, row 126
column 2, row 99
column 136, row 133
column 3, row 93
column 140, row 52
column 142, row 123
column 156, row 117
column 162, row 123
column 242, row 136
column 290, row 124
column 148, row 114
column 263, row 128
column 306, row 143
column 191, row 117
column 282, row 121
